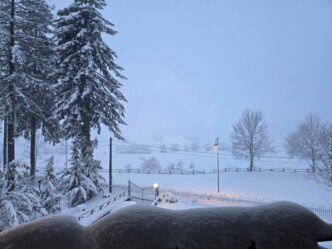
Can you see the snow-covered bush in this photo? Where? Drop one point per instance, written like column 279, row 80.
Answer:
column 171, row 166
column 186, row 147
column 208, row 147
column 179, row 165
column 195, row 146
column 48, row 196
column 166, row 197
column 174, row 147
column 163, row 148
column 192, row 166
column 46, row 190
column 151, row 163
column 18, row 200
column 82, row 179
column 128, row 167
column 49, row 169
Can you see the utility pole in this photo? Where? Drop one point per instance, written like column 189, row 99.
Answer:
column 216, row 146
column 110, row 169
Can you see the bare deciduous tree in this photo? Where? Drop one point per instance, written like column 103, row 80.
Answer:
column 304, row 141
column 324, row 161
column 250, row 139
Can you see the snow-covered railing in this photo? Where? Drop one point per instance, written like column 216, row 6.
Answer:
column 276, row 225
column 323, row 213
column 193, row 172
column 142, row 195
column 222, row 201
column 96, row 212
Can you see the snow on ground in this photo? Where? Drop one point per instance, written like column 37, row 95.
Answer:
column 243, row 186
column 249, row 186
column 123, row 205
column 252, row 186
column 181, row 205
column 199, row 161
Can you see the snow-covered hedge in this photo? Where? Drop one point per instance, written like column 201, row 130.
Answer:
column 166, row 197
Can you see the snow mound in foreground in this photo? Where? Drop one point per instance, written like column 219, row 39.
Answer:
column 273, row 226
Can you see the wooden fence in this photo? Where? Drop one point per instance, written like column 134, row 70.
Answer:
column 193, row 172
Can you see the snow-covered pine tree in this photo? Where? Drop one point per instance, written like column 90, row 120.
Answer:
column 19, row 205
column 9, row 76
column 24, row 63
column 88, row 90
column 46, row 189
column 3, row 72
column 80, row 186
column 40, row 62
column 49, row 169
column 92, row 167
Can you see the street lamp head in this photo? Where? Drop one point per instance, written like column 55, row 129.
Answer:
column 216, row 144
column 155, row 185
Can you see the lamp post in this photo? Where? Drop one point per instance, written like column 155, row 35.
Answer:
column 156, row 192
column 217, row 148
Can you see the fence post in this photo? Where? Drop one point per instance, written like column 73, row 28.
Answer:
column 142, row 195
column 110, row 183
column 156, row 192
column 129, row 194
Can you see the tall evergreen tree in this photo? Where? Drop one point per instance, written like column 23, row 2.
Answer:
column 3, row 70
column 81, row 186
column 46, row 189
column 92, row 167
column 40, row 65
column 11, row 78
column 88, row 90
column 25, row 65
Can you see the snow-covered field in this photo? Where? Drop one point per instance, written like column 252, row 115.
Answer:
column 245, row 187
column 251, row 186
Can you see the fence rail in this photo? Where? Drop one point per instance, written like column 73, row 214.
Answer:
column 193, row 172
column 145, row 195
column 110, row 201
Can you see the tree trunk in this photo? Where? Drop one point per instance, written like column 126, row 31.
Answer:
column 86, row 148
column 33, row 146
column 86, row 135
column 251, row 167
column 5, row 145
column 11, row 152
column 313, row 166
column 11, row 116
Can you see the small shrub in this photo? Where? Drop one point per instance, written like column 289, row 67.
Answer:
column 167, row 197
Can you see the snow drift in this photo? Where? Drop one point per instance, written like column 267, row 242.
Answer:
column 279, row 225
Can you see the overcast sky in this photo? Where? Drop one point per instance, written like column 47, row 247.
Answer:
column 194, row 65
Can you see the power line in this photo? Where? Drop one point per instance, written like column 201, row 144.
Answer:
column 199, row 152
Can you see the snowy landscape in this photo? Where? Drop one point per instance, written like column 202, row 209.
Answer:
column 112, row 108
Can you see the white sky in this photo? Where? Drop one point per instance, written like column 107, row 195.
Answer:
column 194, row 65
